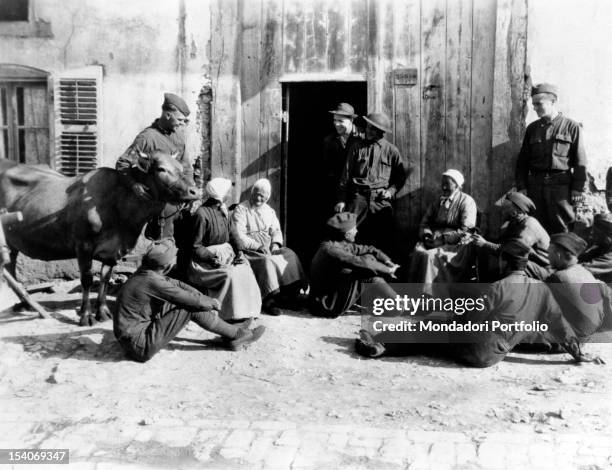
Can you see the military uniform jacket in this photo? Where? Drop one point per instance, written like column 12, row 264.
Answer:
column 334, row 256
column 370, row 166
column 152, row 139
column 148, row 294
column 553, row 145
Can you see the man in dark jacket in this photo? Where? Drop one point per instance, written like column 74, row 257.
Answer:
column 552, row 163
column 335, row 150
column 341, row 266
column 373, row 174
column 152, row 308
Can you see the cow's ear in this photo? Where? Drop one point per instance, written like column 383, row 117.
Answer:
column 143, row 162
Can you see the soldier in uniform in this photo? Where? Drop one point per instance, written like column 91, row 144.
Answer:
column 374, row 172
column 166, row 134
column 341, row 266
column 551, row 166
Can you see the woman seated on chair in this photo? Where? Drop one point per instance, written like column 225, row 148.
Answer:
column 444, row 253
column 277, row 269
column 519, row 224
column 217, row 265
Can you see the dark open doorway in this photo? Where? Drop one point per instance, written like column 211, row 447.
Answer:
column 309, row 122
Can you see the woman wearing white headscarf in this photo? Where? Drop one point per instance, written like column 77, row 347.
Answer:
column 217, row 265
column 444, row 253
column 278, row 270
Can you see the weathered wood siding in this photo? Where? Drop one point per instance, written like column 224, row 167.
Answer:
column 463, row 112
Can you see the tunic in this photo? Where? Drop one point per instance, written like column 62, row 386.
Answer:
column 371, row 168
column 452, row 261
column 152, row 309
column 155, row 138
column 257, row 227
column 234, row 285
column 581, row 298
column 530, row 232
column 514, row 298
column 337, row 270
column 552, row 161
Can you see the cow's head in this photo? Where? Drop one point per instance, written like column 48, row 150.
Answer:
column 166, row 178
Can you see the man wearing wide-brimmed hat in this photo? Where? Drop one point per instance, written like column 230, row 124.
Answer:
column 374, row 172
column 552, row 163
column 336, row 147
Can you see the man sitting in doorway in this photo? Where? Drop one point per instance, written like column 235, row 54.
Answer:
column 152, row 308
column 341, row 266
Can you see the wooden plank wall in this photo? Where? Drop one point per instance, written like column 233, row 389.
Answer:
column 470, row 60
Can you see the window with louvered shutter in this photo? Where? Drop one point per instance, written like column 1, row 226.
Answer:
column 77, row 107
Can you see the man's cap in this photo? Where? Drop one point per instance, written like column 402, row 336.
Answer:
column 456, row 175
column 379, row 120
column 344, row 109
column 160, row 254
column 545, row 88
column 603, row 222
column 516, row 249
column 176, row 101
column 343, row 221
column 521, row 201
column 570, row 242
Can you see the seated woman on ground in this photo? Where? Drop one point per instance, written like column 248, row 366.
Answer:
column 444, row 253
column 277, row 268
column 217, row 265
column 519, row 224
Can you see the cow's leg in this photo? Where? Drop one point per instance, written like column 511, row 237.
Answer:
column 102, row 311
column 85, row 262
column 12, row 266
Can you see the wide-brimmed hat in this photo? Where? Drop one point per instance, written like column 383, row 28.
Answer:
column 344, row 109
column 379, row 120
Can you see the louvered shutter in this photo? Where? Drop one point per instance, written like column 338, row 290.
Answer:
column 77, row 105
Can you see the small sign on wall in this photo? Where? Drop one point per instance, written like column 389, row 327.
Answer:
column 405, row 77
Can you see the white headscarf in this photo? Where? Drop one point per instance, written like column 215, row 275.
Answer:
column 264, row 185
column 217, row 188
column 456, row 176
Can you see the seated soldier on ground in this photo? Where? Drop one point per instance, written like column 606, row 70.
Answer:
column 518, row 223
column 576, row 290
column 598, row 258
column 515, row 298
column 277, row 268
column 444, row 253
column 152, row 308
column 340, row 266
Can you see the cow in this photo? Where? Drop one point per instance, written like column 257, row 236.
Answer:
column 94, row 216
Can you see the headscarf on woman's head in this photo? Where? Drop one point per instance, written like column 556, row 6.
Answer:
column 456, row 176
column 263, row 184
column 217, row 188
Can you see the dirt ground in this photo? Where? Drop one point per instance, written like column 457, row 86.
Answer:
column 304, row 370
